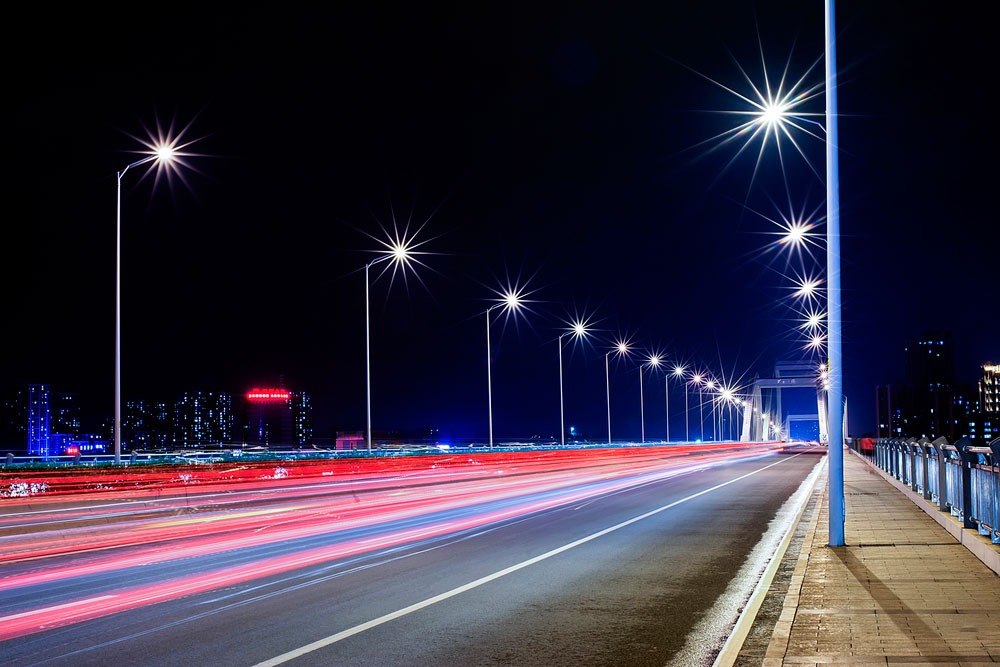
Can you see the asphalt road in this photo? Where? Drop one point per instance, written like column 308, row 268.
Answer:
column 645, row 564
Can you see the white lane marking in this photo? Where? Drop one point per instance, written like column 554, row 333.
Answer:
column 368, row 625
column 45, row 610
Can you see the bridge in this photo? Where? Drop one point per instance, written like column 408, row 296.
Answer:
column 763, row 415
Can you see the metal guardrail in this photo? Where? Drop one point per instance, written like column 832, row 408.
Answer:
column 960, row 478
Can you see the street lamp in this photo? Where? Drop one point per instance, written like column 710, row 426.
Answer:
column 400, row 256
column 510, row 302
column 620, row 349
column 679, row 373
column 578, row 329
column 652, row 361
column 698, row 379
column 710, row 385
column 162, row 154
column 726, row 396
column 774, row 116
column 835, row 406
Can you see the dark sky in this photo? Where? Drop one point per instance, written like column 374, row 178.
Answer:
column 563, row 145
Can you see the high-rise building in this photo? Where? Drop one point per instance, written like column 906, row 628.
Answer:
column 14, row 421
column 39, row 420
column 147, row 425
column 930, row 361
column 989, row 388
column 982, row 422
column 930, row 404
column 302, row 417
column 277, row 417
column 930, row 377
column 66, row 413
column 203, row 418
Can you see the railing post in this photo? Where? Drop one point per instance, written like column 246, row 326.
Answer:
column 912, row 448
column 901, row 460
column 943, row 495
column 966, row 459
column 937, row 478
column 894, row 457
column 995, row 449
column 924, row 462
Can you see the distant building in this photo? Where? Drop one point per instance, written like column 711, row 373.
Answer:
column 147, row 425
column 351, row 440
column 930, row 360
column 53, row 424
column 982, row 424
column 203, row 418
column 14, row 421
column 39, row 420
column 930, row 375
column 276, row 417
column 66, row 413
column 930, row 404
column 989, row 388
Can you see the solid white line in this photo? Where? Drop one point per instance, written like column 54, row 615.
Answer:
column 344, row 634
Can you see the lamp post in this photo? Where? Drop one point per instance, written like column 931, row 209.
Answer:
column 642, row 415
column 400, row 255
column 620, row 349
column 489, row 378
column 679, row 373
column 511, row 301
column 697, row 379
column 577, row 330
column 162, row 154
column 652, row 361
column 726, row 396
column 835, row 444
column 710, row 385
column 666, row 401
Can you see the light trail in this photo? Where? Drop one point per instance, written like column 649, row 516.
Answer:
column 305, row 528
column 399, row 613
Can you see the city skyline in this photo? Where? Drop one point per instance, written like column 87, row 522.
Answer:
column 726, row 424
column 565, row 151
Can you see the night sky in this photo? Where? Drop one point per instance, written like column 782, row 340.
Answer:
column 563, row 147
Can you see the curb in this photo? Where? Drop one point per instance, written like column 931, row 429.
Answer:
column 734, row 644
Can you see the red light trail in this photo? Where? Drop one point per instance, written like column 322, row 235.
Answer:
column 271, row 524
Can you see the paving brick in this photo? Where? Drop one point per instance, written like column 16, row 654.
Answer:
column 902, row 592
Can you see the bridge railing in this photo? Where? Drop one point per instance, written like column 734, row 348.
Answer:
column 960, row 478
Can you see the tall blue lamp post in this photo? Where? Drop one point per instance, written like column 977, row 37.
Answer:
column 400, row 254
column 699, row 380
column 835, row 399
column 653, row 361
column 620, row 349
column 511, row 301
column 679, row 374
column 710, row 385
column 162, row 155
column 577, row 330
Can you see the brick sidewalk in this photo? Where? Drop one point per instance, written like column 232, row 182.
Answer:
column 904, row 591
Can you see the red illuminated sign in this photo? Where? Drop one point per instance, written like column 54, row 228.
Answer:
column 267, row 395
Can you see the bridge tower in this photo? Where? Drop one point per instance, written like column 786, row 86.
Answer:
column 764, row 412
